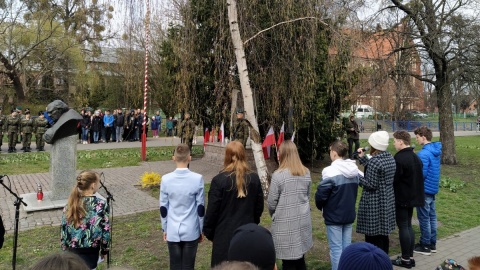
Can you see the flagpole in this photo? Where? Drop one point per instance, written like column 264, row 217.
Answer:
column 147, row 37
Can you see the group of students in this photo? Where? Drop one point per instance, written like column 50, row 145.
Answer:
column 119, row 126
column 391, row 187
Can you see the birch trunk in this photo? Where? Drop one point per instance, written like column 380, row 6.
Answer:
column 246, row 91
column 232, row 110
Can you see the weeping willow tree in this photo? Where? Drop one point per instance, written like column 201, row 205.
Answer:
column 288, row 52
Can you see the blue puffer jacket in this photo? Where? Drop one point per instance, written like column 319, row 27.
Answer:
column 430, row 156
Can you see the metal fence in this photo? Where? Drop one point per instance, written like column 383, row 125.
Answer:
column 392, row 126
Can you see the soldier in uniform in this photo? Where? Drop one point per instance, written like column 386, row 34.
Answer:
column 353, row 135
column 11, row 127
column 240, row 128
column 26, row 127
column 187, row 130
column 40, row 126
column 2, row 124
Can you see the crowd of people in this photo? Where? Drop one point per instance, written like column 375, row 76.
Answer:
column 392, row 186
column 119, row 125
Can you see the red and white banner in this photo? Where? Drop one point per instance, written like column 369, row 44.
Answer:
column 269, row 141
column 206, row 138
column 281, row 136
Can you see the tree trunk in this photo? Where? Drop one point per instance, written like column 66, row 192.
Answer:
column 447, row 136
column 12, row 73
column 246, row 91
column 232, row 110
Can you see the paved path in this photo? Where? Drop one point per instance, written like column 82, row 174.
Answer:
column 460, row 247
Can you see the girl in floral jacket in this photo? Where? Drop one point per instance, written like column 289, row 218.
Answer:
column 85, row 228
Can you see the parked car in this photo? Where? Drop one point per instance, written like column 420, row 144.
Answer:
column 420, row 115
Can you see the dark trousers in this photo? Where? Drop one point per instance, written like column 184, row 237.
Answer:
column 405, row 230
column 88, row 255
column 350, row 145
column 182, row 254
column 381, row 241
column 298, row 264
column 108, row 133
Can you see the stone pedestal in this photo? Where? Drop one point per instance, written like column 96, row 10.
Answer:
column 215, row 153
column 63, row 164
column 63, row 167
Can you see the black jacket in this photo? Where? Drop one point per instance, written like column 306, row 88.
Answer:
column 86, row 121
column 120, row 120
column 408, row 183
column 226, row 212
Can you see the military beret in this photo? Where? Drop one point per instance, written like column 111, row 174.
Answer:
column 240, row 110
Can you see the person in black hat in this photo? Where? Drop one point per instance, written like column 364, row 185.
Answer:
column 240, row 128
column 362, row 256
column 253, row 243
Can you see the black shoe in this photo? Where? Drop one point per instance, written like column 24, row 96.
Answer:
column 14, row 149
column 421, row 249
column 42, row 149
column 22, row 149
column 10, row 150
column 402, row 263
column 433, row 248
column 412, row 262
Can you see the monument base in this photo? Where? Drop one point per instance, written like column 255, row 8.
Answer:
column 46, row 204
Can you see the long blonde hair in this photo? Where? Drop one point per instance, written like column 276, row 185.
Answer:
column 76, row 210
column 235, row 162
column 289, row 159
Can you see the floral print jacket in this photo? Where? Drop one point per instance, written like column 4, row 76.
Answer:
column 94, row 230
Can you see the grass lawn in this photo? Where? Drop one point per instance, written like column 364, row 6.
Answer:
column 137, row 241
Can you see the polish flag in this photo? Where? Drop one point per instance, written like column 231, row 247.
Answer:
column 269, row 140
column 281, row 136
column 293, row 136
column 206, row 138
column 221, row 134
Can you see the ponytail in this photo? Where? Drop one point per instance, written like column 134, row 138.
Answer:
column 75, row 210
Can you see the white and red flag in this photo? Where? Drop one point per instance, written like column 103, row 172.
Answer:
column 221, row 134
column 269, row 141
column 281, row 136
column 206, row 138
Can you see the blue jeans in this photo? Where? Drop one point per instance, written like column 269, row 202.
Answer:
column 427, row 218
column 85, row 134
column 182, row 254
column 339, row 237
column 119, row 131
column 95, row 136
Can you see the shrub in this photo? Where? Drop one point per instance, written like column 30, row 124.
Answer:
column 451, row 184
column 150, row 180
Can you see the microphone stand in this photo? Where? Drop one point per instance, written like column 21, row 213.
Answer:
column 17, row 203
column 109, row 200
